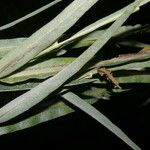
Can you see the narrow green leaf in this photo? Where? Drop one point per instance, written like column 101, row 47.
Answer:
column 11, row 24
column 41, row 70
column 121, row 60
column 54, row 111
column 134, row 79
column 44, row 37
column 94, row 113
column 106, row 20
column 89, row 29
column 92, row 27
column 37, row 94
column 131, row 43
column 29, row 85
column 18, row 87
column 95, row 35
column 57, row 110
column 7, row 45
column 133, row 66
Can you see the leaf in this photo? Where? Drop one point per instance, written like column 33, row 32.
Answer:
column 44, row 37
column 128, row 77
column 41, row 70
column 18, row 87
column 50, row 67
column 133, row 66
column 94, row 113
column 106, row 20
column 89, row 29
column 95, row 35
column 134, row 79
column 31, row 84
column 11, row 24
column 131, row 43
column 122, row 60
column 37, row 94
column 58, row 109
column 7, row 45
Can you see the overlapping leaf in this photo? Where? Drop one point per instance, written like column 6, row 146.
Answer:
column 138, row 62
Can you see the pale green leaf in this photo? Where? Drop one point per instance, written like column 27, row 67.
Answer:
column 41, row 70
column 44, row 37
column 37, row 94
column 97, row 115
column 11, row 24
column 57, row 109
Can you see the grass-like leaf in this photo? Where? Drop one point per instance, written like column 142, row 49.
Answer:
column 37, row 94
column 41, row 70
column 34, row 96
column 94, row 113
column 122, row 60
column 26, row 101
column 11, row 24
column 58, row 109
column 7, row 45
column 44, row 37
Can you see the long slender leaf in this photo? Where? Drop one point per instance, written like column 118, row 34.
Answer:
column 7, row 45
column 139, row 77
column 94, row 113
column 44, row 37
column 41, row 70
column 135, row 79
column 34, row 96
column 124, row 60
column 52, row 67
column 29, row 15
column 92, row 27
column 31, row 84
column 133, row 66
column 89, row 29
column 54, row 111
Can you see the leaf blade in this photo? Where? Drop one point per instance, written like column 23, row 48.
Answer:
column 44, row 37
column 37, row 94
column 97, row 115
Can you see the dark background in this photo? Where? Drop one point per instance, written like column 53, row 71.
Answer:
column 79, row 131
